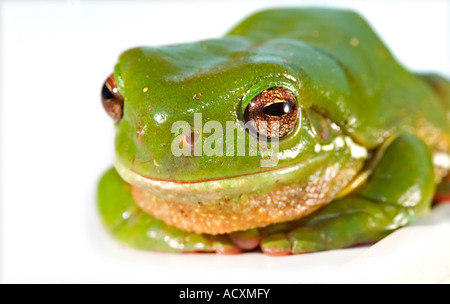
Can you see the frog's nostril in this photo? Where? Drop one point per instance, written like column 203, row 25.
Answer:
column 190, row 138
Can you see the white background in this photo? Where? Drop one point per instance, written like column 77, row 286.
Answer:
column 56, row 141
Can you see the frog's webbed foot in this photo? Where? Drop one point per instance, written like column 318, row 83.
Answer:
column 400, row 188
column 124, row 220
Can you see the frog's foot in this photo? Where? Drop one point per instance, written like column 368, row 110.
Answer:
column 128, row 223
column 443, row 191
column 400, row 188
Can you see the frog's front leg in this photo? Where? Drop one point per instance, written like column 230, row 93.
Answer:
column 135, row 228
column 400, row 188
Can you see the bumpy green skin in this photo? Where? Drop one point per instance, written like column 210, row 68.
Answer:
column 335, row 65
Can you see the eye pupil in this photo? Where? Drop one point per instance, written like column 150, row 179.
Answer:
column 106, row 93
column 273, row 113
column 278, row 108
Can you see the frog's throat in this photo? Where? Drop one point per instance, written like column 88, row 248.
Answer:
column 242, row 202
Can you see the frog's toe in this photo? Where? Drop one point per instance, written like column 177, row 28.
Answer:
column 277, row 244
column 222, row 244
column 300, row 240
column 443, row 191
column 306, row 239
column 246, row 240
column 228, row 250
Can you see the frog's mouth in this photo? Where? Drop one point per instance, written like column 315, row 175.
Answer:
column 242, row 202
column 214, row 189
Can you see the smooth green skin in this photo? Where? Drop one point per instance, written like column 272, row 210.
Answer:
column 311, row 54
column 128, row 223
column 332, row 61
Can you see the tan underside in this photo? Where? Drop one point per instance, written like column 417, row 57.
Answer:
column 284, row 203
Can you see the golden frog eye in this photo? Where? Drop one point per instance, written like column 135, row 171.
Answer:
column 272, row 113
column 112, row 100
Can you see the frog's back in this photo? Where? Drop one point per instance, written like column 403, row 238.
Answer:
column 384, row 99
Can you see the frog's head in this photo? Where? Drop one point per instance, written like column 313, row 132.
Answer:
column 174, row 108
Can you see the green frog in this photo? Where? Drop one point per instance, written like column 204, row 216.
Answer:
column 329, row 141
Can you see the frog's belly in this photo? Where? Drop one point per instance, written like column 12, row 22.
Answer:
column 225, row 215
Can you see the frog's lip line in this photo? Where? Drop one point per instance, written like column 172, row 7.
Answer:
column 212, row 184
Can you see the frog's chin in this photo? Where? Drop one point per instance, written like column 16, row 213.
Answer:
column 246, row 201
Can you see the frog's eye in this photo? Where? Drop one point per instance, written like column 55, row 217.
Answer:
column 112, row 100
column 272, row 113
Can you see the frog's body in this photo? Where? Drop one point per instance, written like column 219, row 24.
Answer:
column 365, row 138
